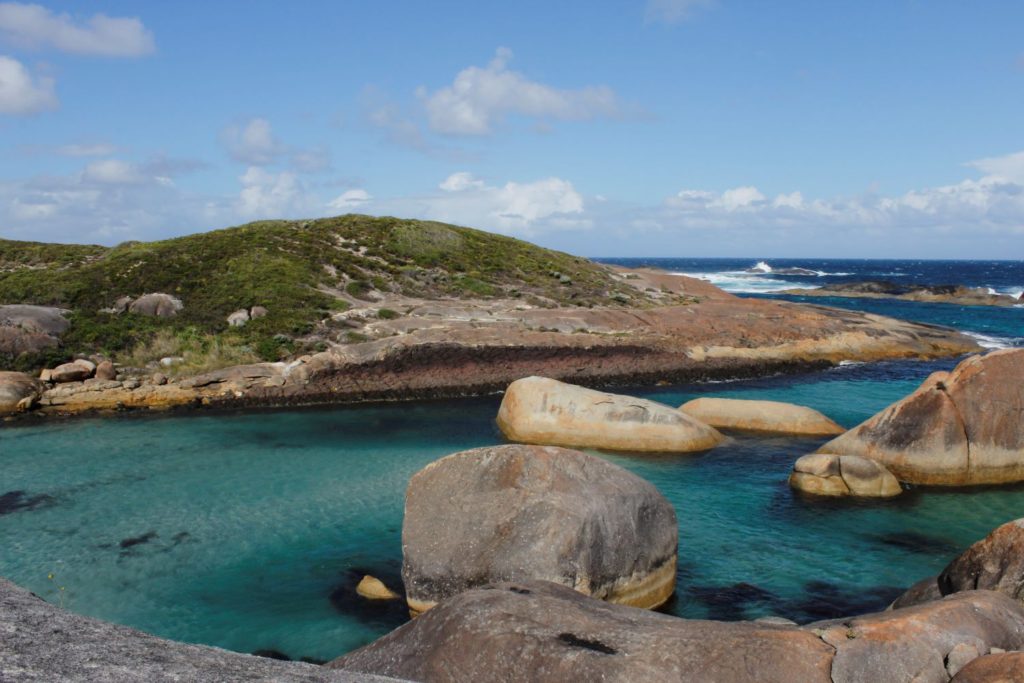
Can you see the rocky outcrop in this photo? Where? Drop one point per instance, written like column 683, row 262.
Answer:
column 1003, row 667
column 157, row 305
column 994, row 563
column 919, row 643
column 528, row 512
column 962, row 427
column 542, row 632
column 538, row 631
column 769, row 417
column 882, row 289
column 41, row 642
column 30, row 329
column 843, row 475
column 545, row 411
column 18, row 392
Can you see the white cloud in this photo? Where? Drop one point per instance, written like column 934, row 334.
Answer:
column 1009, row 167
column 253, row 143
column 457, row 182
column 113, row 172
column 35, row 26
column 739, row 198
column 20, row 92
column 479, row 98
column 273, row 195
column 349, row 199
column 674, row 11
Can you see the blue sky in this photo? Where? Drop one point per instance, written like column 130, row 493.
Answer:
column 662, row 127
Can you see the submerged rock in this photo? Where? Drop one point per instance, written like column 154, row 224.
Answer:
column 514, row 513
column 18, row 392
column 539, row 631
column 843, row 475
column 771, row 417
column 545, row 411
column 962, row 427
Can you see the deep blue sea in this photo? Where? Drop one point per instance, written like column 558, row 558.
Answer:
column 249, row 530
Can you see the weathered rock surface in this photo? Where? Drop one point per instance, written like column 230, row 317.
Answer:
column 994, row 563
column 29, row 329
column 41, row 642
column 157, row 305
column 18, row 392
column 915, row 643
column 70, row 372
column 514, row 513
column 539, row 631
column 771, row 417
column 545, row 411
column 843, row 475
column 1005, row 667
column 962, row 427
column 105, row 371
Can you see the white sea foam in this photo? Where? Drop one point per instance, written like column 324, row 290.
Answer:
column 762, row 267
column 740, row 282
column 992, row 342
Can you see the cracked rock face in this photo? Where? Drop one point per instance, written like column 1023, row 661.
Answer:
column 515, row 513
column 962, row 427
column 539, row 410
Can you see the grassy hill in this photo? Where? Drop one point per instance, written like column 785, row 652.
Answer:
column 301, row 271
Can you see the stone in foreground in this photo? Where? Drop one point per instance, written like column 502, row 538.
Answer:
column 539, row 631
column 824, row 474
column 994, row 563
column 767, row 417
column 962, row 427
column 18, row 392
column 41, row 642
column 157, row 304
column 515, row 513
column 544, row 411
column 1005, row 667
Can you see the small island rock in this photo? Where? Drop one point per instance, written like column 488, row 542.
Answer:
column 769, row 417
column 545, row 411
column 957, row 428
column 530, row 512
column 843, row 475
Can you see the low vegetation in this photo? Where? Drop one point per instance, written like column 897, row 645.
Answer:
column 301, row 271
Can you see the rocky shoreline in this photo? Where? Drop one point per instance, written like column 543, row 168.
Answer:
column 443, row 349
column 943, row 294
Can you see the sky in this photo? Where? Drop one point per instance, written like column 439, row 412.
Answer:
column 672, row 128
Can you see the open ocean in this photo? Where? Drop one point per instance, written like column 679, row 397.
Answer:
column 249, row 530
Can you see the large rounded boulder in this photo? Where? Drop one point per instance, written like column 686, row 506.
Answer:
column 157, row 305
column 958, row 428
column 767, row 417
column 514, row 513
column 17, row 392
column 544, row 411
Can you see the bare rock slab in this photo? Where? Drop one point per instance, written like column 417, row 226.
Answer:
column 825, row 474
column 543, row 632
column 515, row 513
column 544, row 411
column 768, row 417
column 962, row 427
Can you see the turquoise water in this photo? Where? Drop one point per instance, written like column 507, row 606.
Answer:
column 249, row 531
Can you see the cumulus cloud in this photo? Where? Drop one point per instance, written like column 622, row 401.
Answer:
column 674, row 11
column 522, row 208
column 34, row 26
column 254, row 143
column 1009, row 167
column 274, row 195
column 479, row 98
column 349, row 200
column 21, row 93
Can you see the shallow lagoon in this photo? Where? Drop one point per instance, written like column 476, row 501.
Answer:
column 249, row 530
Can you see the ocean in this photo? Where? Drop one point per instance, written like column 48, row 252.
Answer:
column 249, row 530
